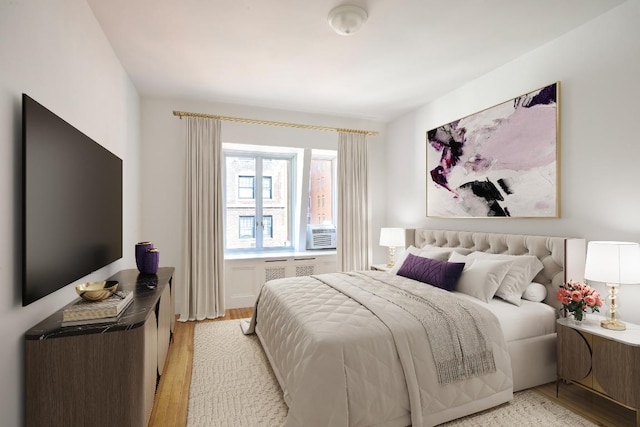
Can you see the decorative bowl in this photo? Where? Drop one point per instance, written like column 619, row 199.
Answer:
column 97, row 291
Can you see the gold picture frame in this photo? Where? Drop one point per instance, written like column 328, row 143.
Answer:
column 501, row 162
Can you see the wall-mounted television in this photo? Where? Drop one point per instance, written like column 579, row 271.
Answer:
column 72, row 203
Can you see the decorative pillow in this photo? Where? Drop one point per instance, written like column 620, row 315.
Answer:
column 535, row 292
column 425, row 253
column 521, row 273
column 435, row 272
column 480, row 278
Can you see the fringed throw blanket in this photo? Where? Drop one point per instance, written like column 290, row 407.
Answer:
column 456, row 329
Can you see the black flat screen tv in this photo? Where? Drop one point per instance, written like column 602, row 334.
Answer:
column 72, row 203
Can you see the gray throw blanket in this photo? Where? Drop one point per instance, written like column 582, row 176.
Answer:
column 455, row 328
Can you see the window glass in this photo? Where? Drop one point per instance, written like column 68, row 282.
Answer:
column 246, row 187
column 246, row 227
column 258, row 216
column 266, row 187
column 240, row 201
column 322, row 174
column 262, row 192
column 277, row 207
column 268, row 226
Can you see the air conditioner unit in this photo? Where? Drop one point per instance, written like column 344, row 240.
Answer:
column 321, row 237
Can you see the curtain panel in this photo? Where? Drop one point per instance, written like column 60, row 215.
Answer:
column 353, row 202
column 203, row 240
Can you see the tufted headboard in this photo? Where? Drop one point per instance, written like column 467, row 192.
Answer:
column 563, row 258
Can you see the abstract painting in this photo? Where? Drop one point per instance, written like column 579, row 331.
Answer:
column 499, row 162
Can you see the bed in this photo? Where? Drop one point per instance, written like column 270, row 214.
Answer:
column 376, row 348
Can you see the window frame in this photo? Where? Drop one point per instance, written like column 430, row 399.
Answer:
column 241, row 178
column 259, row 155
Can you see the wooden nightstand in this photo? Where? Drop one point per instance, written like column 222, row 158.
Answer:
column 603, row 361
column 381, row 267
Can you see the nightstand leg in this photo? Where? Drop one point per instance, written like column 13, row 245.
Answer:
column 637, row 417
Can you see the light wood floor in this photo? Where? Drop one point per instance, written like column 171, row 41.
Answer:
column 172, row 396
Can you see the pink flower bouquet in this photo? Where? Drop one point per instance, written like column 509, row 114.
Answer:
column 577, row 297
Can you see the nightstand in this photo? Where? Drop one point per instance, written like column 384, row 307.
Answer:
column 381, row 267
column 603, row 361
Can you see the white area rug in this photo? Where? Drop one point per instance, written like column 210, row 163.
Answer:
column 232, row 384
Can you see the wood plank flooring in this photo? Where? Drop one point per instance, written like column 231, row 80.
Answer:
column 172, row 396
column 597, row 409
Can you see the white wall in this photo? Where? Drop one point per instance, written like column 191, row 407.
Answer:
column 162, row 160
column 56, row 53
column 598, row 66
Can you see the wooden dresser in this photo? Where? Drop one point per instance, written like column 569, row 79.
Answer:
column 101, row 374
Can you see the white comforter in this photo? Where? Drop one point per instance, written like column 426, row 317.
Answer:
column 339, row 364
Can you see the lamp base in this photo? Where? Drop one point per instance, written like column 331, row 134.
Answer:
column 392, row 257
column 613, row 324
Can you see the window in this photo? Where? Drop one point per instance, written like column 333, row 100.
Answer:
column 322, row 173
column 246, row 228
column 246, row 187
column 267, row 222
column 266, row 187
column 263, row 209
column 259, row 214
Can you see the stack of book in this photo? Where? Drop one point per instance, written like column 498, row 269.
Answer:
column 108, row 310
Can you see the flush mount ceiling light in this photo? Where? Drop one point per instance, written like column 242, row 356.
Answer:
column 347, row 19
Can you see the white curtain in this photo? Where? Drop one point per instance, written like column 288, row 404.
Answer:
column 353, row 202
column 203, row 247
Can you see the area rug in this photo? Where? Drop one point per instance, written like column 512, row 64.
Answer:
column 232, row 384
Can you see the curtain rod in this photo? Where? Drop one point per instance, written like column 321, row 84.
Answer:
column 272, row 123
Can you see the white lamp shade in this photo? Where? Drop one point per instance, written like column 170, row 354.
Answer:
column 392, row 237
column 613, row 262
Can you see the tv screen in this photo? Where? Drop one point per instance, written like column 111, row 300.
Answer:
column 72, row 203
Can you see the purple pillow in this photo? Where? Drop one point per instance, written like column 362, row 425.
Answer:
column 442, row 274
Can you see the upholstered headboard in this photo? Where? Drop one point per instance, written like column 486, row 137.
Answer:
column 563, row 258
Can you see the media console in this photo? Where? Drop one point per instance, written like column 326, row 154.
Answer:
column 101, row 374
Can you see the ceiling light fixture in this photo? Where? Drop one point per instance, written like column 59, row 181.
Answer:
column 347, row 19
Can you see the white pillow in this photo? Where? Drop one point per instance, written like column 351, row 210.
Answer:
column 463, row 251
column 480, row 278
column 425, row 253
column 535, row 292
column 521, row 273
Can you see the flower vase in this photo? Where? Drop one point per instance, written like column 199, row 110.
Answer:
column 150, row 261
column 141, row 248
column 577, row 318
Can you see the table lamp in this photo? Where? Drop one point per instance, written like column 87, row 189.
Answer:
column 392, row 238
column 613, row 263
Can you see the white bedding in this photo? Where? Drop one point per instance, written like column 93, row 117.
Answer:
column 531, row 319
column 339, row 365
